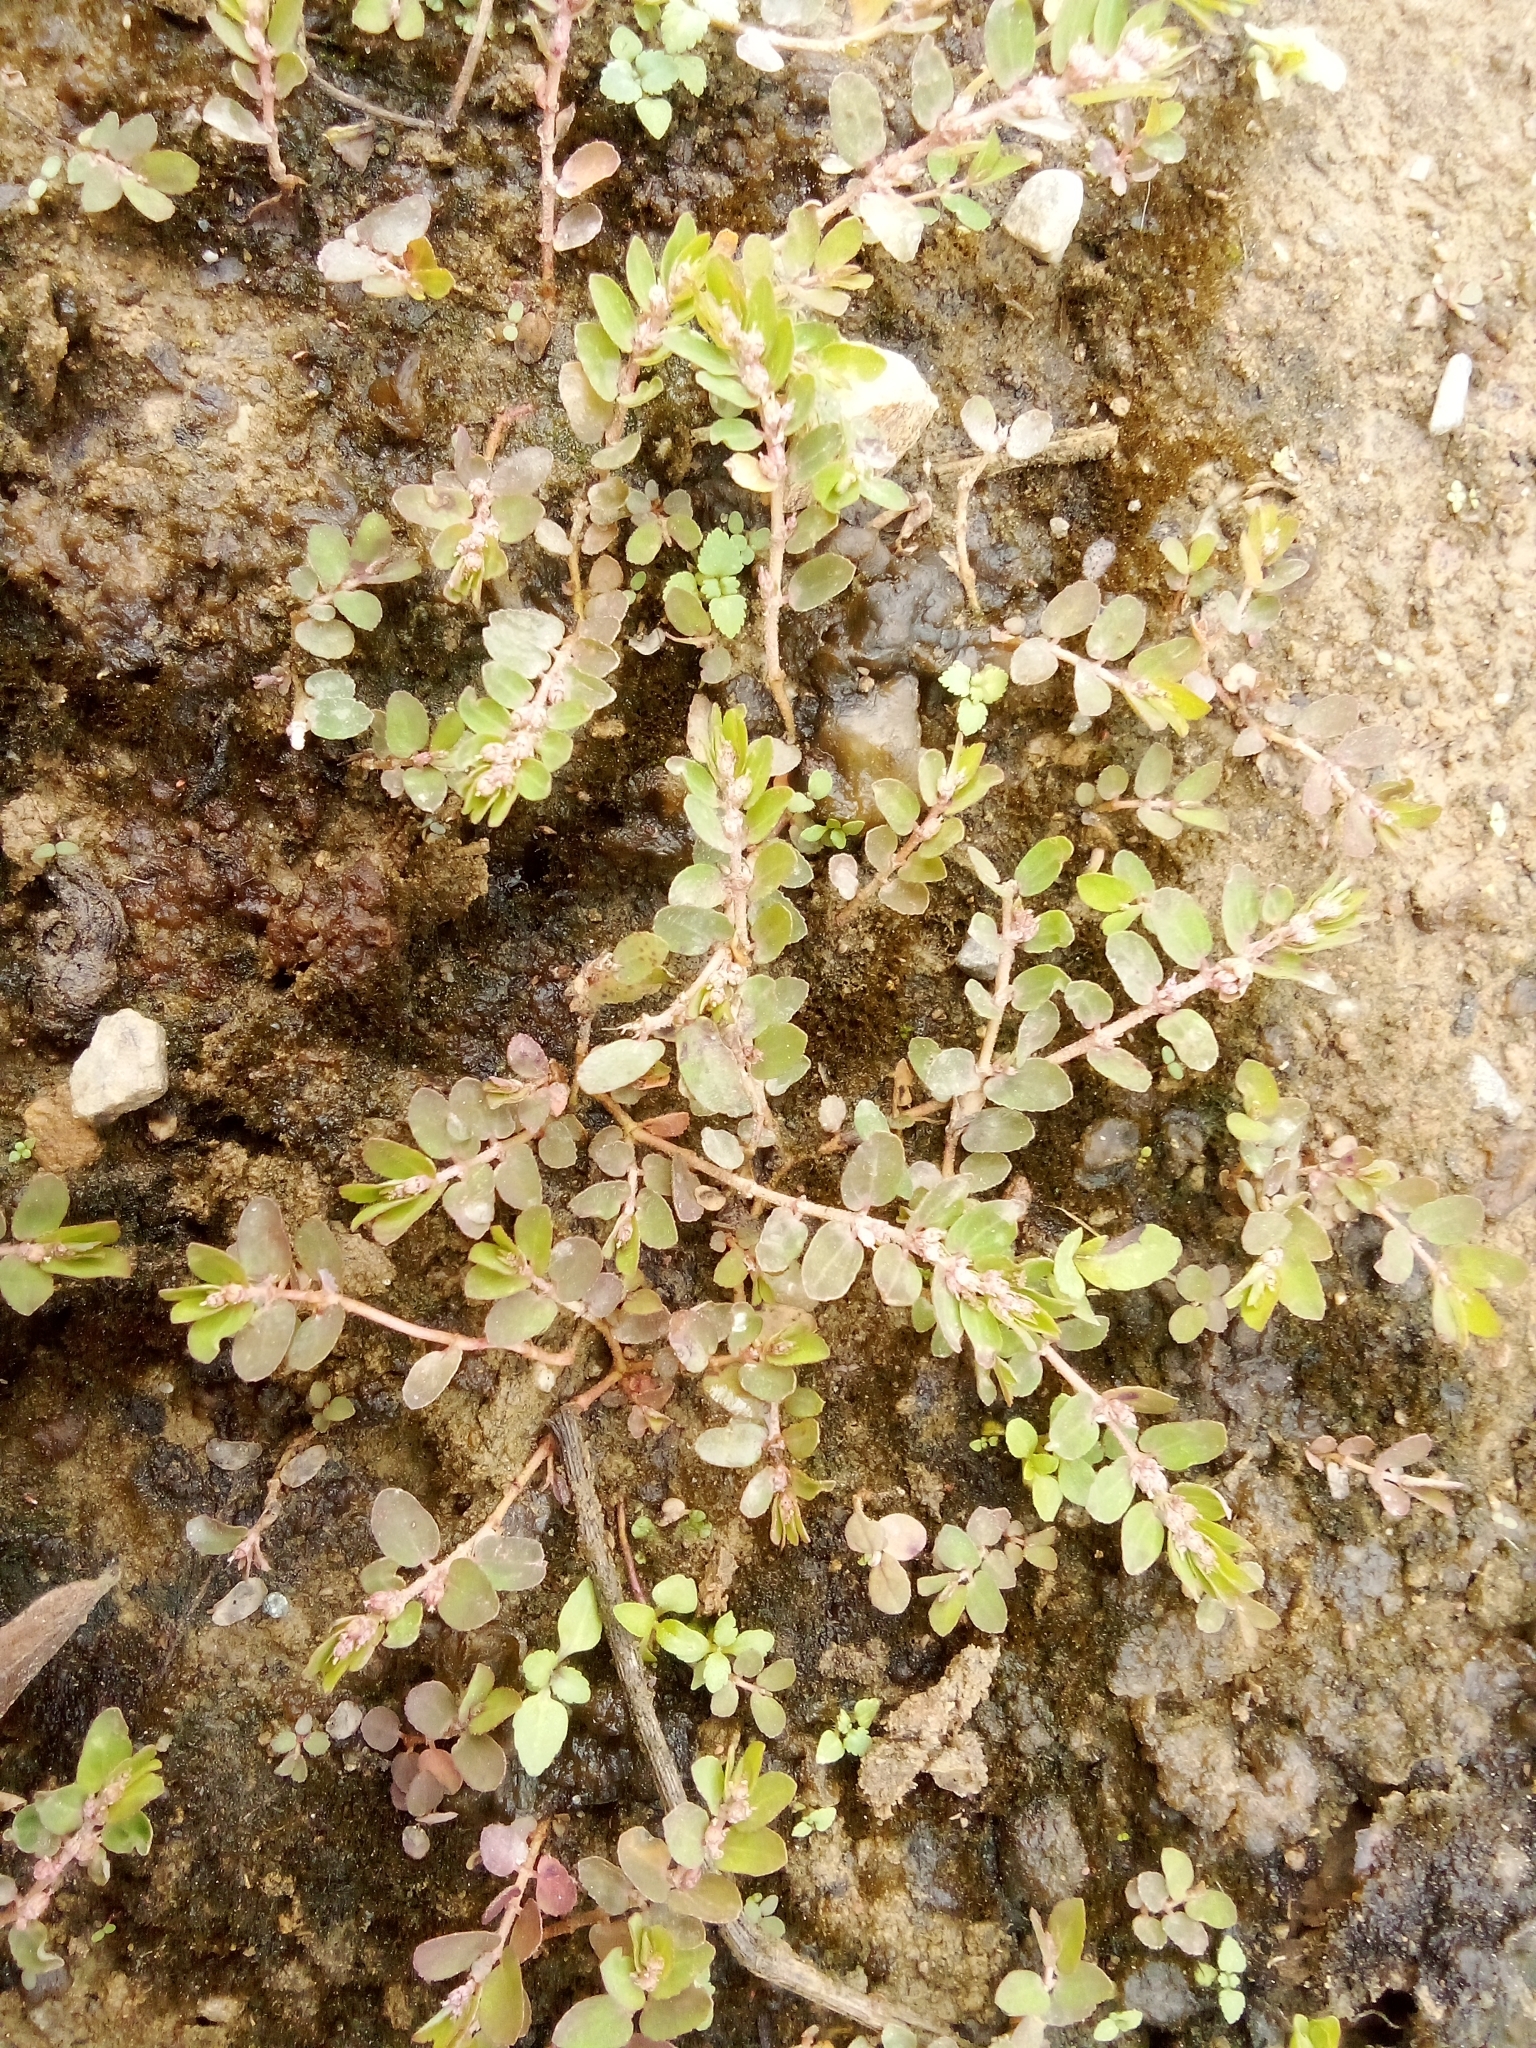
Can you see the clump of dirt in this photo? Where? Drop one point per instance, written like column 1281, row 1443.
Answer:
column 180, row 405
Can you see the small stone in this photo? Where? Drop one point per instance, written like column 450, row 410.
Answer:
column 1112, row 1141
column 123, row 1067
column 1043, row 1853
column 222, row 2010
column 26, row 823
column 1490, row 1090
column 1045, row 212
column 61, row 1141
column 44, row 342
column 275, row 1606
column 873, row 736
column 1451, row 399
column 1521, row 1000
column 1159, row 1993
column 345, row 1721
column 890, row 413
column 1098, row 560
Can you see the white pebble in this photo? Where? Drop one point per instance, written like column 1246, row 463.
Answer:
column 1451, row 399
column 1098, row 559
column 123, row 1068
column 1045, row 211
column 1490, row 1090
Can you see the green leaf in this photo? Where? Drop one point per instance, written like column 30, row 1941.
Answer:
column 450, row 1955
column 819, row 580
column 1009, row 43
column 618, row 1064
column 403, row 1529
column 359, row 607
column 469, row 1599
column 107, row 1747
column 1450, row 1220
column 1178, row 1445
column 1033, row 1085
column 1117, row 629
column 1299, row 1288
column 581, row 1625
column 1022, row 1995
column 1070, row 611
column 734, row 1446
column 1041, row 865
column 875, row 1174
column 503, row 2011
column 25, row 1287
column 329, row 554
column 599, row 358
column 1191, row 1038
column 1074, row 25
column 753, row 1852
column 613, row 310
column 1149, row 1257
column 129, row 1836
column 1241, row 900
column 1136, row 964
column 1179, row 925
column 1122, row 1068
column 832, row 1262
column 933, row 84
column 1141, row 1538
column 407, row 727
column 539, row 1730
column 1078, row 1990
column 42, row 1208
column 594, row 2023
column 858, row 126
column 900, row 805
column 1111, row 1492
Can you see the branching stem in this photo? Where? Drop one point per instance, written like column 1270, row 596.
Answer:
column 358, row 105
column 266, row 80
column 318, row 1299
column 970, row 476
column 468, row 68
column 774, row 1963
column 547, row 95
column 248, row 1555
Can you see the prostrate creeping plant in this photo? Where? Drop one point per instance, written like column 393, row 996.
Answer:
column 663, row 1121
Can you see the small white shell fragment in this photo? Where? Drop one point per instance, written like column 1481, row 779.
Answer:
column 1451, row 399
column 300, row 1470
column 1490, row 1090
column 239, row 1603
column 232, row 1454
column 1045, row 211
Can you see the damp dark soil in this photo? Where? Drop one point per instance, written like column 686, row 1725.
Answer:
column 177, row 405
